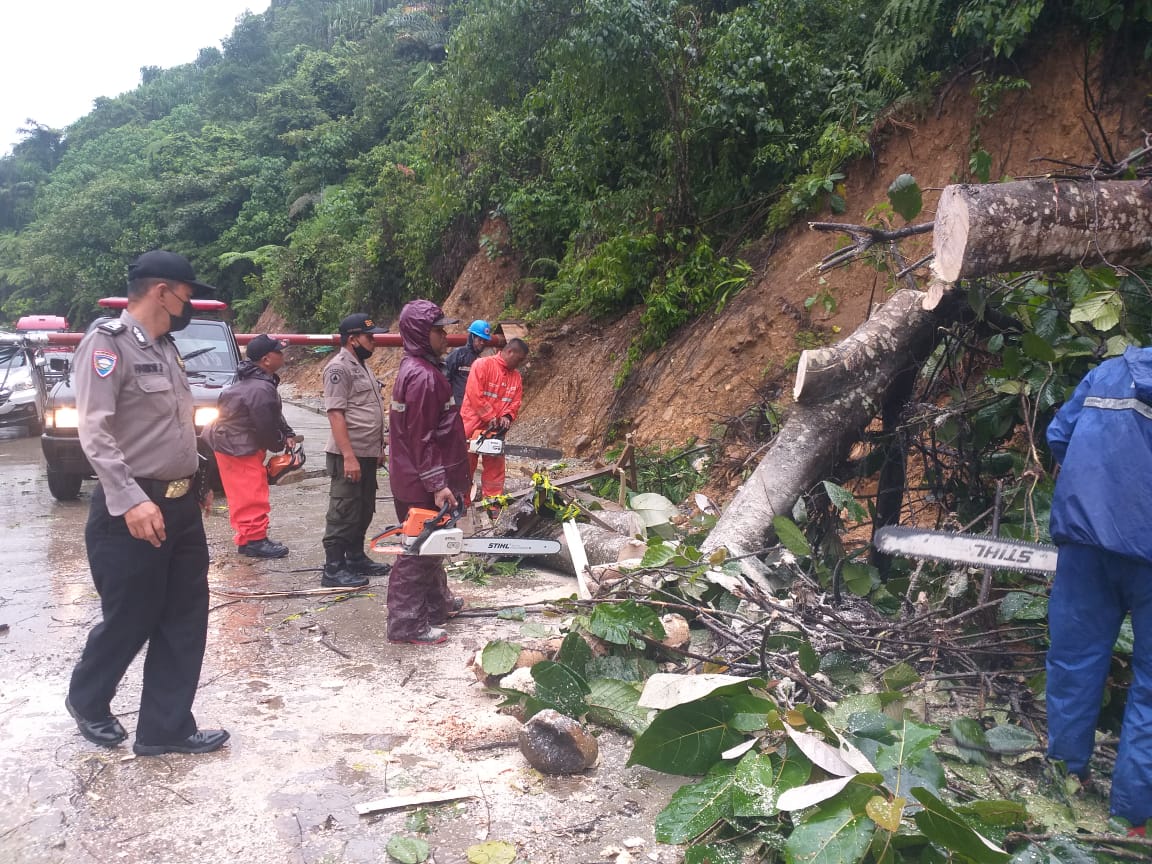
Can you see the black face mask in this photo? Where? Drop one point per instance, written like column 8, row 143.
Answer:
column 179, row 322
column 361, row 352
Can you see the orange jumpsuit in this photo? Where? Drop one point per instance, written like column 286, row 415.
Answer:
column 493, row 391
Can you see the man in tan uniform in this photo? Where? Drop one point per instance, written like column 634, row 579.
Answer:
column 355, row 406
column 145, row 536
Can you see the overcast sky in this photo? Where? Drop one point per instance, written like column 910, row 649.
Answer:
column 56, row 57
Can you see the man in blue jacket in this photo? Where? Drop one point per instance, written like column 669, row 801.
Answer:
column 460, row 360
column 1102, row 522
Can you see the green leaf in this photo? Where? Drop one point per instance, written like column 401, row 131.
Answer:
column 899, row 676
column 833, row 834
column 909, row 760
column 534, row 630
column 980, row 164
column 575, row 653
column 491, row 852
column 620, row 668
column 1037, row 348
column 905, row 197
column 658, row 553
column 1058, row 850
column 615, row 623
column 687, row 739
column 562, row 688
column 1100, row 309
column 499, row 657
column 1125, row 641
column 695, row 808
column 941, row 824
column 998, row 813
column 408, row 850
column 511, row 613
column 860, row 578
column 749, row 712
column 613, row 704
column 842, row 499
column 417, row 821
column 791, row 537
column 1008, row 738
column 713, row 853
column 1023, row 606
column 970, row 740
column 761, row 778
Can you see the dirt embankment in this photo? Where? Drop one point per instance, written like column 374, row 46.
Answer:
column 722, row 365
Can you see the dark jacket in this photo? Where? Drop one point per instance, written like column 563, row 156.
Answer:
column 459, row 364
column 426, row 445
column 251, row 418
column 1102, row 438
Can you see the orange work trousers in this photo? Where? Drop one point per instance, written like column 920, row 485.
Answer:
column 246, row 487
column 491, row 478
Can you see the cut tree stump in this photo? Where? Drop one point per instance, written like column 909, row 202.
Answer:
column 1041, row 225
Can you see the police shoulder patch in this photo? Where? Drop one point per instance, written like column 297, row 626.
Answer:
column 103, row 362
column 112, row 328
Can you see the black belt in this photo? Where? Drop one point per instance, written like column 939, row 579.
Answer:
column 157, row 489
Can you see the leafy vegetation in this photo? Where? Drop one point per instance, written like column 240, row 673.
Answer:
column 335, row 154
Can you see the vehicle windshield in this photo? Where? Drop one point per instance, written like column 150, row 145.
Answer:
column 12, row 358
column 205, row 347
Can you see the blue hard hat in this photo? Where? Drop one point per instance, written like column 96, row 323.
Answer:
column 481, row 328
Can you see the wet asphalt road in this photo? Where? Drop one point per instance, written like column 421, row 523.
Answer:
column 324, row 712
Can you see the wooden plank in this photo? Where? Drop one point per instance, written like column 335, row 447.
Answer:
column 395, row 802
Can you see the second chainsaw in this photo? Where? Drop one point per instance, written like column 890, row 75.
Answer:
column 428, row 532
column 490, row 442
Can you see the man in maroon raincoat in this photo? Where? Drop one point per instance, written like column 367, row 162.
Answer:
column 427, row 467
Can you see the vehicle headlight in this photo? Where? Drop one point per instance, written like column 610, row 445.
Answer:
column 63, row 418
column 205, row 415
column 24, row 385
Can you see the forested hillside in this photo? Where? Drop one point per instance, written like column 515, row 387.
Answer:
column 343, row 153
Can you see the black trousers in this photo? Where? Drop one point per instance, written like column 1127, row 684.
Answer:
column 157, row 596
column 351, row 506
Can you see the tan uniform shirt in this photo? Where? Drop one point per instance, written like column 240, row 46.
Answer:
column 135, row 409
column 351, row 388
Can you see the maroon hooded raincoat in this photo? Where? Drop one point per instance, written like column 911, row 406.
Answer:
column 427, row 451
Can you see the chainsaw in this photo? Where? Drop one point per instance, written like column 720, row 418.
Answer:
column 428, row 532
column 976, row 550
column 490, row 442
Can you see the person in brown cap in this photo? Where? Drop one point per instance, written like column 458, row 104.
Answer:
column 145, row 534
column 355, row 407
column 251, row 422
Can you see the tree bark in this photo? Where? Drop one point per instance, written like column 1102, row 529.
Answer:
column 1041, row 225
column 827, row 419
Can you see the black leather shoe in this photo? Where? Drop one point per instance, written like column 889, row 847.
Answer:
column 204, row 741
column 367, row 567
column 263, row 549
column 341, row 577
column 107, row 731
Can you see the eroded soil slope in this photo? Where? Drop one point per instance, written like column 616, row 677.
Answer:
column 724, row 364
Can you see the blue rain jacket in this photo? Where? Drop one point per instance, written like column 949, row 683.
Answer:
column 1102, row 438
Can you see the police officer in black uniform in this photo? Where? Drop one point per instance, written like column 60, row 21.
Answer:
column 145, row 535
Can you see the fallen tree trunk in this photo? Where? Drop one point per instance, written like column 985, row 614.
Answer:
column 1041, row 225
column 821, row 428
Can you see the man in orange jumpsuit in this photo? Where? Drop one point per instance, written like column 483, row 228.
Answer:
column 492, row 401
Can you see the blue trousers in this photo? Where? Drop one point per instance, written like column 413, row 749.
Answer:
column 1092, row 592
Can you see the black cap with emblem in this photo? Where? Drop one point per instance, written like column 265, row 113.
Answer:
column 359, row 323
column 159, row 264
